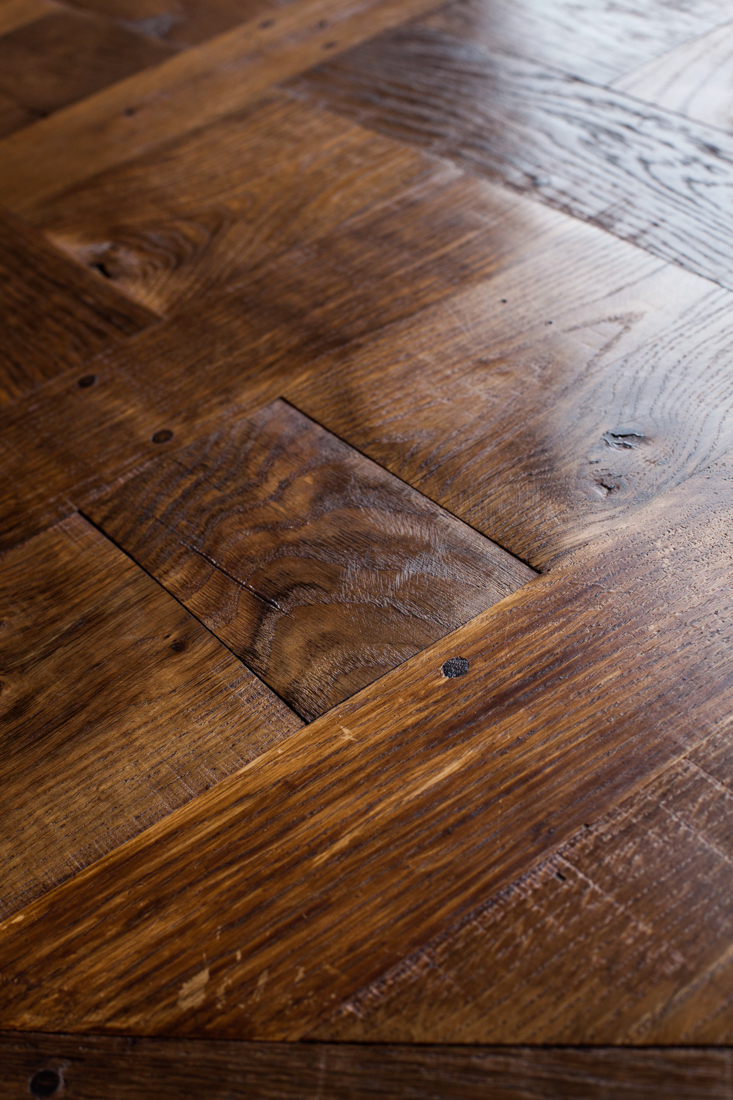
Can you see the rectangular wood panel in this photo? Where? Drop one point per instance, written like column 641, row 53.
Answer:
column 116, row 707
column 315, row 566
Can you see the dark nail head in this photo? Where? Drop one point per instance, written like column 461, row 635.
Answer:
column 86, row 381
column 163, row 436
column 44, row 1083
column 267, row 23
column 456, row 666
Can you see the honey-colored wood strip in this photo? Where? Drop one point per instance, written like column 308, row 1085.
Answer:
column 117, row 707
column 623, row 936
column 636, row 170
column 400, row 809
column 592, row 40
column 184, row 93
column 693, row 80
column 58, row 316
column 16, row 13
column 316, row 567
column 67, row 55
column 123, row 1069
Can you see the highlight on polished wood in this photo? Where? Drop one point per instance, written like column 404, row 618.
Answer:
column 366, row 602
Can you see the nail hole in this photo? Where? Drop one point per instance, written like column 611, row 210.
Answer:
column 44, row 1083
column 87, row 381
column 323, row 24
column 163, row 436
column 103, row 270
column 455, row 666
column 129, row 111
column 504, row 301
column 178, row 647
column 267, row 23
column 560, row 875
column 329, row 45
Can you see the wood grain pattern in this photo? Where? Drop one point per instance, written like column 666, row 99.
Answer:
column 183, row 23
column 623, row 935
column 316, row 567
column 591, row 39
column 693, row 80
column 67, row 55
column 461, row 784
column 56, row 315
column 542, row 406
column 642, row 173
column 184, row 93
column 124, row 1069
column 117, row 707
column 284, row 194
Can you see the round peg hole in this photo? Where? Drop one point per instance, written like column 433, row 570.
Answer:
column 455, row 666
column 163, row 436
column 87, row 381
column 46, row 1082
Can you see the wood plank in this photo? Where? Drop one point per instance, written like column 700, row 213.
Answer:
column 118, row 706
column 637, row 171
column 185, row 93
column 16, row 13
column 402, row 808
column 12, row 116
column 67, row 55
column 123, row 1069
column 316, row 567
column 231, row 198
column 590, row 39
column 58, row 315
column 545, row 404
column 623, row 936
column 694, row 79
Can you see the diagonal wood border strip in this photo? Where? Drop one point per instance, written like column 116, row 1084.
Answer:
column 188, row 91
column 267, row 901
column 643, row 173
column 124, row 1069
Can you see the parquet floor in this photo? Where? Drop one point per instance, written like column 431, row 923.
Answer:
column 366, row 602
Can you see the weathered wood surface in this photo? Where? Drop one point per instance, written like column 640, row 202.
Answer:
column 16, row 13
column 80, row 315
column 518, row 834
column 401, row 808
column 636, row 170
column 693, row 80
column 117, row 706
column 126, row 1069
column 317, row 568
column 184, row 93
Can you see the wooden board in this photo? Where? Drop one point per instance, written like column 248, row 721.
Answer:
column 58, row 315
column 123, row 1069
column 462, row 784
column 117, row 707
column 317, row 568
column 637, row 171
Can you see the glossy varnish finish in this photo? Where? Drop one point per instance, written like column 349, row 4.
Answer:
column 369, row 365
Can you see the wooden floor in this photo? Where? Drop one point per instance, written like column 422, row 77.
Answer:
column 366, row 589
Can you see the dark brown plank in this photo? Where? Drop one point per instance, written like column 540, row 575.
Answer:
column 12, row 116
column 591, row 39
column 67, row 55
column 127, row 1069
column 622, row 936
column 693, row 80
column 57, row 316
column 316, row 567
column 401, row 809
column 352, row 209
column 184, row 93
column 637, row 171
column 117, row 707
